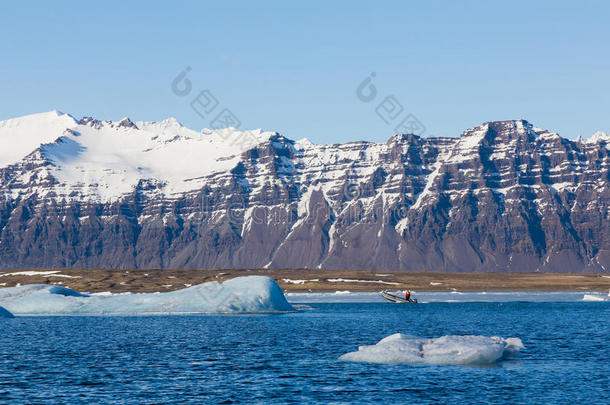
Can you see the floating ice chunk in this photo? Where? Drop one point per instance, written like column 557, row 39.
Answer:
column 5, row 314
column 595, row 297
column 461, row 350
column 255, row 294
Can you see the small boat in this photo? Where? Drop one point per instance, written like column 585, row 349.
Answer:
column 395, row 298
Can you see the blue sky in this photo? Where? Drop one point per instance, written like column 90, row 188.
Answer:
column 295, row 67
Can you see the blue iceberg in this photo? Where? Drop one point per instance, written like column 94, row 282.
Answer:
column 5, row 314
column 241, row 295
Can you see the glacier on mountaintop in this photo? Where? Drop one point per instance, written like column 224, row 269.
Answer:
column 21, row 136
column 103, row 160
column 253, row 294
column 458, row 350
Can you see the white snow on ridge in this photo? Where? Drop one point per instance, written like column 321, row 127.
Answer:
column 254, row 294
column 102, row 160
column 303, row 143
column 467, row 145
column 21, row 136
column 117, row 159
column 599, row 136
column 458, row 350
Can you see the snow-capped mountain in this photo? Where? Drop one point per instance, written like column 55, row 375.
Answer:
column 504, row 196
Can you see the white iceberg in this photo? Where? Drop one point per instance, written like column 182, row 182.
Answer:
column 459, row 350
column 5, row 314
column 596, row 297
column 255, row 294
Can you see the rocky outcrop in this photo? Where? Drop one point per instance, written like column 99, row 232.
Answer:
column 504, row 196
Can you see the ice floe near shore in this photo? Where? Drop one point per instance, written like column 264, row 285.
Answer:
column 596, row 297
column 254, row 294
column 459, row 350
column 5, row 314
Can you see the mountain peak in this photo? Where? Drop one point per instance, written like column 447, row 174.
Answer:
column 44, row 117
column 125, row 123
column 303, row 143
column 598, row 137
column 20, row 136
column 172, row 121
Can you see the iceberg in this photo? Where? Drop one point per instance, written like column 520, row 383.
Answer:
column 596, row 297
column 451, row 349
column 253, row 294
column 5, row 314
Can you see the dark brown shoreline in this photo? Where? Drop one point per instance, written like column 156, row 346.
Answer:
column 99, row 280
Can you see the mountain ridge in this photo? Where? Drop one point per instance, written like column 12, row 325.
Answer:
column 504, row 196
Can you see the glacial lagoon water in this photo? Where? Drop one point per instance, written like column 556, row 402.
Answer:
column 294, row 357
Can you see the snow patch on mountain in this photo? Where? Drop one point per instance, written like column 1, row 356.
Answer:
column 103, row 160
column 598, row 137
column 466, row 146
column 20, row 136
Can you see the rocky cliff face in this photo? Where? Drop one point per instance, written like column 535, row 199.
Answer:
column 504, row 196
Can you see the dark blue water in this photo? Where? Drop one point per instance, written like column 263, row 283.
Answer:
column 293, row 357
